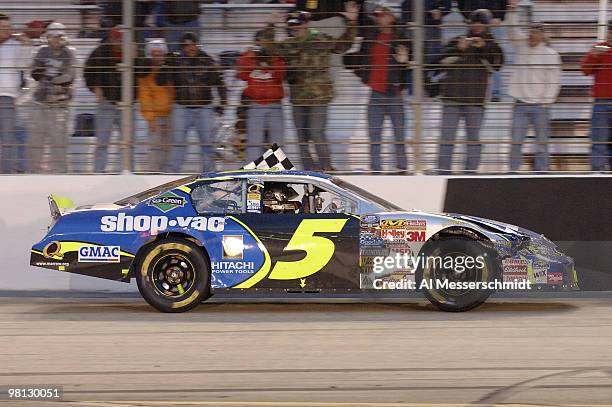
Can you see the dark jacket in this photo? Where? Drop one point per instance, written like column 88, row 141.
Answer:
column 497, row 7
column 443, row 5
column 101, row 70
column 181, row 12
column 193, row 78
column 399, row 75
column 322, row 9
column 467, row 72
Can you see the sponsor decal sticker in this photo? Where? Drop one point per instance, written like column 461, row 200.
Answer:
column 156, row 224
column 233, row 247
column 233, row 267
column 540, row 274
column 254, row 198
column 52, row 250
column 370, row 220
column 99, row 254
column 167, row 201
column 365, row 240
column 555, row 277
column 515, row 270
column 393, row 223
column 416, row 224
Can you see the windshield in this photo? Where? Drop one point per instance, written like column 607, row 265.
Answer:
column 149, row 193
column 365, row 195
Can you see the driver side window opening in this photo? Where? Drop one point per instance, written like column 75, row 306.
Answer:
column 223, row 197
column 295, row 198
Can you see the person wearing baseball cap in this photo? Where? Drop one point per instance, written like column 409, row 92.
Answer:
column 598, row 64
column 306, row 54
column 468, row 60
column 382, row 63
column 54, row 70
column 534, row 84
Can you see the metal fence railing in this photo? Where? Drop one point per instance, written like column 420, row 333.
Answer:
column 383, row 88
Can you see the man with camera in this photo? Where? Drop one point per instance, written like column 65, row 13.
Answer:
column 264, row 75
column 53, row 69
column 468, row 60
column 598, row 63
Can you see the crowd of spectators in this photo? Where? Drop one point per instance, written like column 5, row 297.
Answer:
column 180, row 87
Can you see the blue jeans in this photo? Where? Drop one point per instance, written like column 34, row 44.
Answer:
column 499, row 33
column 601, row 127
column 379, row 107
column 184, row 118
column 8, row 141
column 175, row 31
column 432, row 44
column 472, row 116
column 259, row 118
column 108, row 115
column 538, row 116
column 310, row 124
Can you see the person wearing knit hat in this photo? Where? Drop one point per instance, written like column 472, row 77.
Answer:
column 155, row 104
column 53, row 69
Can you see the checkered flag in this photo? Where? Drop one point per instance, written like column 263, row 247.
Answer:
column 273, row 158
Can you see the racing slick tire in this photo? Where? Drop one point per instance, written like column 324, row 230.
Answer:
column 173, row 275
column 456, row 300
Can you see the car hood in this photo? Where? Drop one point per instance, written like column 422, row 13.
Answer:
column 500, row 226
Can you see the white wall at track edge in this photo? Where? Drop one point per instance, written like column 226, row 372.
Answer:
column 24, row 216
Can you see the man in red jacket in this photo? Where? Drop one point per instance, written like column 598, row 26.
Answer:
column 598, row 62
column 264, row 75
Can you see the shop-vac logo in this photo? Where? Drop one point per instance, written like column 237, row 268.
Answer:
column 156, row 224
column 167, row 201
column 100, row 254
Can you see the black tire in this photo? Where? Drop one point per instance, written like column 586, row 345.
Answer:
column 456, row 300
column 173, row 275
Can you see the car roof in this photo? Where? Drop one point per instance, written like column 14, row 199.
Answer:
column 244, row 173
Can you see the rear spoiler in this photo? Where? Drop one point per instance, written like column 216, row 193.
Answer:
column 58, row 205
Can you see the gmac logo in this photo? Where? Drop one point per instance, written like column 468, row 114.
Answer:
column 99, row 254
column 167, row 201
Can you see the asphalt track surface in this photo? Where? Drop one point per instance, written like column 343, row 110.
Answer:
column 116, row 351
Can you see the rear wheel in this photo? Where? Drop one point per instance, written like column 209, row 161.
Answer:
column 173, row 275
column 448, row 276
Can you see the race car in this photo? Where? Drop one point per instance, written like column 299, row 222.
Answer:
column 277, row 231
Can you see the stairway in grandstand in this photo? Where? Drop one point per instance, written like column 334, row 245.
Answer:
column 572, row 25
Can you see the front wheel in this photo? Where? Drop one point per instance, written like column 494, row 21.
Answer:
column 454, row 272
column 173, row 275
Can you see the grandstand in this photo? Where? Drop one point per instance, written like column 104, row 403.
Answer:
column 572, row 26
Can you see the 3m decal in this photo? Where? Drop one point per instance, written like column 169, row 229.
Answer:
column 156, row 224
column 319, row 250
column 101, row 254
column 392, row 235
column 167, row 201
column 233, row 247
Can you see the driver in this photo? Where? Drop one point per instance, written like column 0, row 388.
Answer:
column 277, row 199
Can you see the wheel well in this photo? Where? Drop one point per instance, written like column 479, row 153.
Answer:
column 455, row 231
column 164, row 236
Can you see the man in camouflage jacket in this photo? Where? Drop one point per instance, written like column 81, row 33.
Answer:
column 306, row 53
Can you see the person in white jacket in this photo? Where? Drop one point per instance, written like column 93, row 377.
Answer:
column 534, row 84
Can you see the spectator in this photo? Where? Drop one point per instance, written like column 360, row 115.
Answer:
column 306, row 53
column 53, row 69
column 498, row 11
column 180, row 17
column 192, row 73
column 103, row 77
column 598, row 63
column 383, row 66
column 112, row 16
column 468, row 62
column 264, row 75
column 12, row 64
column 534, row 84
column 156, row 104
column 435, row 10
